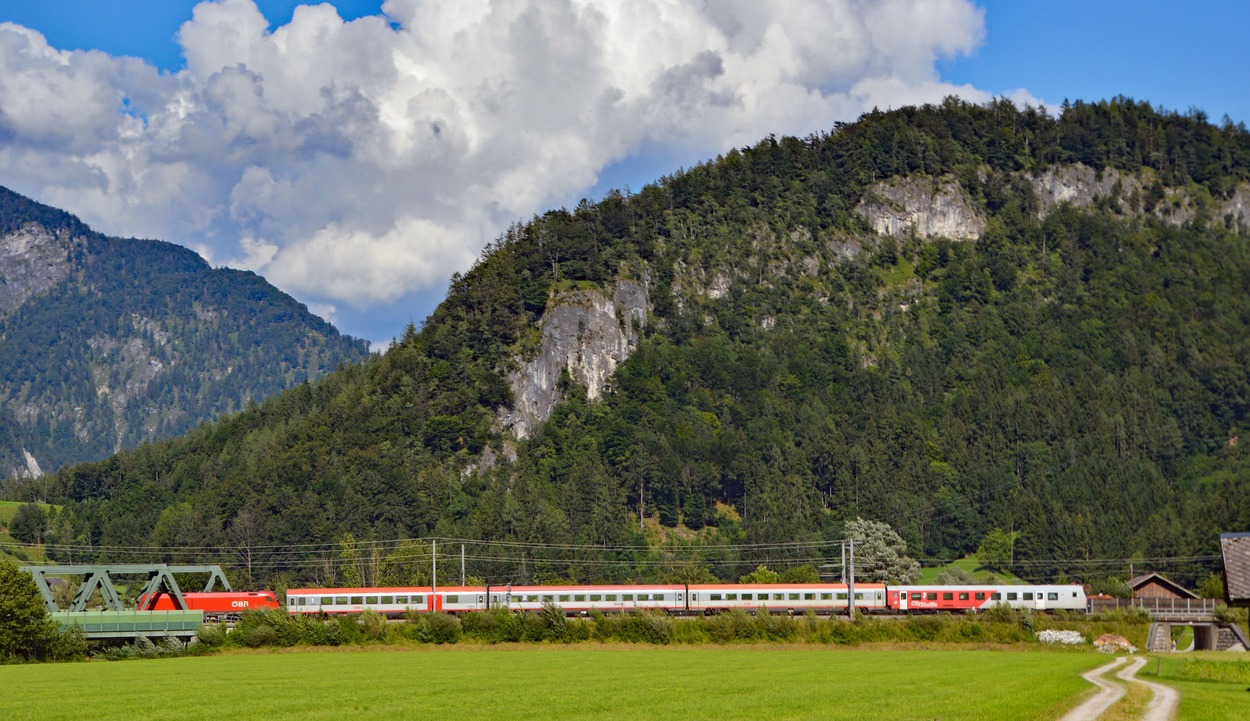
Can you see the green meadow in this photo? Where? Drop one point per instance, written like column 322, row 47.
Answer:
column 1213, row 686
column 557, row 682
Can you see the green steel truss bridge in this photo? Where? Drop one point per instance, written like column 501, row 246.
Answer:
column 118, row 621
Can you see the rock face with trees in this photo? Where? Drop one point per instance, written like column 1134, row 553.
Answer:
column 107, row 342
column 952, row 319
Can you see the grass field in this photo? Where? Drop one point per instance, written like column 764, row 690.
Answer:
column 971, row 565
column 520, row 683
column 1213, row 686
column 26, row 555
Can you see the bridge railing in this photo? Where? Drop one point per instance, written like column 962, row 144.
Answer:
column 1159, row 606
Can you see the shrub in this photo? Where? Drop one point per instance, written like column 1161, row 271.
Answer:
column 926, row 628
column 443, row 628
column 372, row 625
column 212, row 635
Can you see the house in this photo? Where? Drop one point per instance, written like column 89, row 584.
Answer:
column 1236, row 550
column 1152, row 585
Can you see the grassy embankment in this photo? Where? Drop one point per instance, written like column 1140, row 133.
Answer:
column 1213, row 686
column 7, row 510
column 518, row 683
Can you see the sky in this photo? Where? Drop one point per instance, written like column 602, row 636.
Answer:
column 357, row 153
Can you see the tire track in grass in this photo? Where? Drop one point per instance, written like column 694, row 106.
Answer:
column 1109, row 692
column 1162, row 706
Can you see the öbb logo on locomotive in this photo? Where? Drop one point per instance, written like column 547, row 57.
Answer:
column 676, row 599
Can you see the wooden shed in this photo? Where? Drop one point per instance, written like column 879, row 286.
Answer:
column 1152, row 585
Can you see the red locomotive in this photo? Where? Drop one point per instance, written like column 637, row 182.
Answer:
column 215, row 605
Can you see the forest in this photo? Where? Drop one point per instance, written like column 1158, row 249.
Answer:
column 143, row 340
column 1073, row 380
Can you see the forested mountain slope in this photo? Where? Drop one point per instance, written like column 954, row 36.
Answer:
column 108, row 342
column 952, row 319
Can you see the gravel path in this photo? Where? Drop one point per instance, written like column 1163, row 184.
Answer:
column 1162, row 706
column 1109, row 693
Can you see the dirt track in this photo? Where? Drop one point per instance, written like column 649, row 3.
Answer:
column 1162, row 706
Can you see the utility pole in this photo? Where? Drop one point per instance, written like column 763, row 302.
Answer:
column 462, row 564
column 844, row 562
column 850, row 587
column 433, row 568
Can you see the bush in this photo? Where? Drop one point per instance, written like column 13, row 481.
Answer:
column 372, row 625
column 212, row 635
column 926, row 628
column 443, row 628
column 733, row 626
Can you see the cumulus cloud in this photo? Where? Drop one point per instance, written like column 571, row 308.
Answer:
column 357, row 161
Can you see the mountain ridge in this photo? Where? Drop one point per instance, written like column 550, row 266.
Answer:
column 102, row 339
column 808, row 356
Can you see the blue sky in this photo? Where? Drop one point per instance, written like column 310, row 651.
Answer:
column 366, row 231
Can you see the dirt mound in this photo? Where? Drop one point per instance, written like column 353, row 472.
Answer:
column 1112, row 643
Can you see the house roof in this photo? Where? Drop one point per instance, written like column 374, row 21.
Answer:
column 1171, row 585
column 1236, row 549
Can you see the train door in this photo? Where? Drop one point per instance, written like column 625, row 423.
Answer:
column 481, row 600
column 902, row 600
column 681, row 601
column 693, row 605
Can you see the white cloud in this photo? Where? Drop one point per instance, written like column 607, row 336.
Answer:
column 357, row 161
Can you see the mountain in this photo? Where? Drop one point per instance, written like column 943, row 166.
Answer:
column 107, row 342
column 966, row 321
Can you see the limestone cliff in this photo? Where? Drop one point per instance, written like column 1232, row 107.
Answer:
column 923, row 206
column 585, row 333
column 33, row 260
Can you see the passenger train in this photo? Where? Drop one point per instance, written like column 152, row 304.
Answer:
column 675, row 599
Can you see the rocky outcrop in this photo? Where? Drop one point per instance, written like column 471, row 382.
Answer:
column 1236, row 210
column 33, row 260
column 586, row 333
column 1080, row 185
column 921, row 205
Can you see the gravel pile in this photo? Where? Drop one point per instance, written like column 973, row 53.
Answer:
column 1066, row 638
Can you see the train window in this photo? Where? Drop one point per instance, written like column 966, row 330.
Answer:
column 746, row 597
column 826, row 596
column 580, row 598
column 948, row 596
column 564, row 598
column 327, row 601
column 548, row 598
column 794, row 597
column 1074, row 594
column 1052, row 597
column 859, row 597
column 779, row 596
column 1012, row 595
column 387, row 599
column 371, row 600
column 809, row 597
column 610, row 597
column 418, row 599
column 531, row 599
column 731, row 597
column 596, row 597
column 453, row 598
column 401, row 599
column 340, row 600
column 963, row 596
column 715, row 597
column 980, row 596
column 1028, row 595
column 627, row 596
column 841, row 596
column 358, row 600
column 996, row 596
